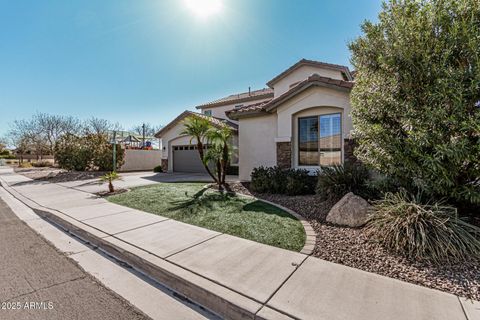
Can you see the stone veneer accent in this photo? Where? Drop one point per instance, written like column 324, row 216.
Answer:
column 164, row 165
column 348, row 147
column 284, row 155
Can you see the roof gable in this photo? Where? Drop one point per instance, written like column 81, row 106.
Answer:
column 269, row 106
column 304, row 62
column 217, row 122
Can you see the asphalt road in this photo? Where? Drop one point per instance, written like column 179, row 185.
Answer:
column 39, row 282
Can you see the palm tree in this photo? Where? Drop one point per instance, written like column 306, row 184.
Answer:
column 197, row 128
column 220, row 139
column 110, row 177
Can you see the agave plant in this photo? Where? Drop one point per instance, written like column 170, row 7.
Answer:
column 430, row 231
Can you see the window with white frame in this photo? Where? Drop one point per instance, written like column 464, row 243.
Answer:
column 320, row 140
column 207, row 113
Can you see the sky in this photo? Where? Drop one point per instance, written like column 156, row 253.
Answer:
column 134, row 61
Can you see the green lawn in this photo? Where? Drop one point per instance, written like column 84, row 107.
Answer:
column 239, row 216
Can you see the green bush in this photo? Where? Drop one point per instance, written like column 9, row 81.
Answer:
column 8, row 156
column 260, row 180
column 282, row 181
column 158, row 169
column 336, row 181
column 89, row 152
column 415, row 103
column 72, row 153
column 430, row 232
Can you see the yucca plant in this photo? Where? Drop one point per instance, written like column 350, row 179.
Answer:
column 110, row 177
column 422, row 232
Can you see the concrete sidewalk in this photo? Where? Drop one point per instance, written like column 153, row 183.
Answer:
column 136, row 179
column 234, row 277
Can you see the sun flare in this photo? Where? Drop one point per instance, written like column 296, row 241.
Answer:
column 204, row 8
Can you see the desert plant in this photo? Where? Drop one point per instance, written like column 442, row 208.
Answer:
column 336, row 181
column 415, row 103
column 110, row 177
column 426, row 232
column 158, row 169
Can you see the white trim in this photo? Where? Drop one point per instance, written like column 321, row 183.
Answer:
column 283, row 139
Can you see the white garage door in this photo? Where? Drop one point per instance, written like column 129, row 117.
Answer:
column 186, row 159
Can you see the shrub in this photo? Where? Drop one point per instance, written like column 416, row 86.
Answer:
column 72, row 153
column 261, row 180
column 282, row 181
column 92, row 151
column 8, row 156
column 426, row 135
column 158, row 169
column 40, row 164
column 25, row 165
column 336, row 181
column 430, row 232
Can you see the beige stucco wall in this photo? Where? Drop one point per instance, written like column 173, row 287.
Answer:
column 303, row 73
column 256, row 144
column 137, row 160
column 258, row 135
column 311, row 98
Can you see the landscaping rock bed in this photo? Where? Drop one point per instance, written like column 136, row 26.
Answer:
column 56, row 175
column 350, row 247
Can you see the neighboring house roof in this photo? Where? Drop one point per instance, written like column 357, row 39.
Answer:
column 238, row 98
column 214, row 121
column 268, row 106
column 305, row 62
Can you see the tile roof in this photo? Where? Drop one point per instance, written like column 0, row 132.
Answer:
column 305, row 62
column 239, row 97
column 267, row 106
column 215, row 121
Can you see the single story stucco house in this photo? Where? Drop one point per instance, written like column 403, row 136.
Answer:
column 302, row 120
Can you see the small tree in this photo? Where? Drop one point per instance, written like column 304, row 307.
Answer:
column 110, row 177
column 416, row 96
column 220, row 142
column 197, row 128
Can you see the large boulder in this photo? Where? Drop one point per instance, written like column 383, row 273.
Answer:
column 350, row 211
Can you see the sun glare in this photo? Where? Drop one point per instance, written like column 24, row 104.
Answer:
column 204, row 8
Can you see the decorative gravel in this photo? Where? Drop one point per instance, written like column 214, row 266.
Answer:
column 352, row 248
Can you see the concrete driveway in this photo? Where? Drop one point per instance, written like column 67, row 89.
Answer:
column 136, row 179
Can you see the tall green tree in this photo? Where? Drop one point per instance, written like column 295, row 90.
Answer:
column 416, row 100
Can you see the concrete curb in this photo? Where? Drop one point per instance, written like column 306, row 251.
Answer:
column 311, row 235
column 214, row 297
